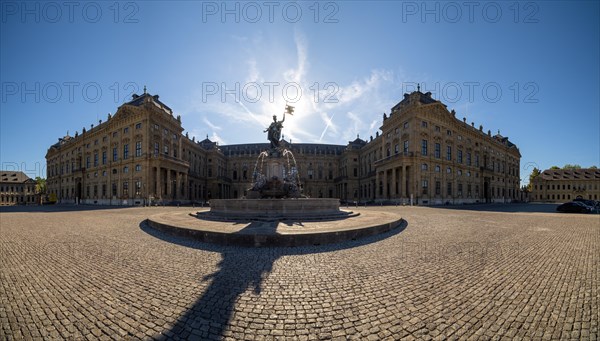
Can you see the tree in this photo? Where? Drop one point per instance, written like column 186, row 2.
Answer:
column 534, row 173
column 40, row 187
column 554, row 167
column 570, row 166
column 593, row 167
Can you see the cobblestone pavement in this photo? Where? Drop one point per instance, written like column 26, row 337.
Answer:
column 451, row 274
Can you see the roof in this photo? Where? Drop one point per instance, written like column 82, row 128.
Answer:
column 423, row 98
column 13, row 177
column 138, row 100
column 571, row 174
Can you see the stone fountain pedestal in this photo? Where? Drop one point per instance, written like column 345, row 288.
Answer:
column 301, row 209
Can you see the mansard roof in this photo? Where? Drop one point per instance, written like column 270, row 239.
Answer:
column 423, row 98
column 14, row 177
column 571, row 174
column 139, row 100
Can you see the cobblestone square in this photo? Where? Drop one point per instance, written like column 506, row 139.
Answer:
column 495, row 272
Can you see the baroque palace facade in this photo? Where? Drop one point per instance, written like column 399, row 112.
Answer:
column 424, row 154
column 562, row 185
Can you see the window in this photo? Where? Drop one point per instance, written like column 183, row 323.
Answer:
column 424, row 147
column 405, row 149
column 405, row 125
column 476, row 160
column 424, row 124
column 103, row 190
column 438, row 152
column 396, row 149
column 87, row 162
column 138, row 168
column 468, row 159
column 103, row 173
column 460, row 188
column 138, row 148
column 424, row 186
column 459, row 157
column 166, row 149
column 138, row 126
column 125, row 151
column 449, row 189
column 449, row 153
column 438, row 188
column 437, row 128
column 125, row 130
column 125, row 188
column 156, row 148
column 114, row 189
column 437, row 168
column 96, row 159
column 114, row 171
column 424, row 167
column 138, row 187
column 104, row 157
column 126, row 169
column 449, row 132
column 459, row 172
column 448, row 170
column 396, row 131
column 115, row 134
column 469, row 190
column 115, row 157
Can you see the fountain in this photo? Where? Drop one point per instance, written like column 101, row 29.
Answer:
column 276, row 192
column 275, row 213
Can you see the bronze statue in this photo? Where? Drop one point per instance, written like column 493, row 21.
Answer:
column 274, row 130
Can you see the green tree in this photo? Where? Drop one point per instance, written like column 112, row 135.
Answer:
column 554, row 167
column 40, row 187
column 570, row 166
column 593, row 167
column 534, row 173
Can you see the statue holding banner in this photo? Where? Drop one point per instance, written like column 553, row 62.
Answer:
column 274, row 130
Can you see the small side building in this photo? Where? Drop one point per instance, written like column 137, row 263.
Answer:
column 563, row 185
column 16, row 188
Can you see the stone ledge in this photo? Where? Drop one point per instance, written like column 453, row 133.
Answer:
column 265, row 234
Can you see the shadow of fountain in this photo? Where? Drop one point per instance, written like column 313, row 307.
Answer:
column 240, row 268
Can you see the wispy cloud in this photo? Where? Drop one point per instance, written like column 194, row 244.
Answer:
column 356, row 109
column 210, row 124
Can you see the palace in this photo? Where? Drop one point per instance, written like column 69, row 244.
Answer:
column 562, row 185
column 16, row 188
column 423, row 154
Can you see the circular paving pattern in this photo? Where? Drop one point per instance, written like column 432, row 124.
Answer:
column 89, row 273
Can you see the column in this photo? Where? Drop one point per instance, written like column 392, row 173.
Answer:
column 169, row 193
column 385, row 184
column 186, row 188
column 157, row 187
column 394, row 192
column 404, row 189
column 178, row 185
column 376, row 189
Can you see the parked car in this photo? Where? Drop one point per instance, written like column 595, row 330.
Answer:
column 590, row 203
column 574, row 207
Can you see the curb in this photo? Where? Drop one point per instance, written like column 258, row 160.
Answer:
column 267, row 240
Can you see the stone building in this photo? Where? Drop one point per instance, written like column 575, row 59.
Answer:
column 141, row 154
column 562, row 185
column 16, row 188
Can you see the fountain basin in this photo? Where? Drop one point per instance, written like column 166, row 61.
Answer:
column 276, row 209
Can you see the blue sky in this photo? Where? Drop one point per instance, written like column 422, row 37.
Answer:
column 528, row 69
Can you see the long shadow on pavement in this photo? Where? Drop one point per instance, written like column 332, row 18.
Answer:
column 240, row 268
